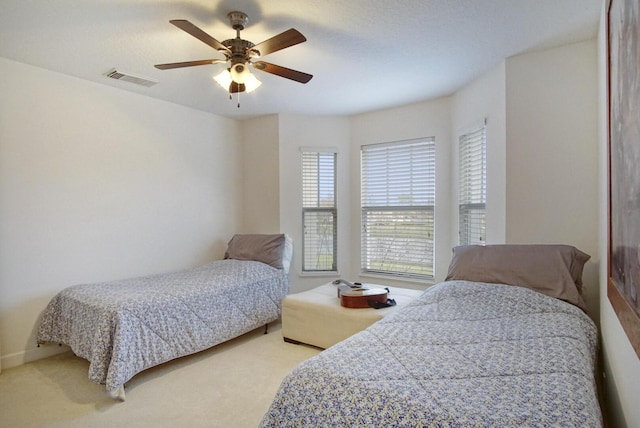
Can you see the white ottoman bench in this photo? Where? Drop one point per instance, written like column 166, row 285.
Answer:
column 315, row 317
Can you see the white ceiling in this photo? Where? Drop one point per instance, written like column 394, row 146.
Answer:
column 364, row 54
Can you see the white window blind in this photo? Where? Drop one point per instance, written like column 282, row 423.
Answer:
column 472, row 188
column 397, row 202
column 319, row 215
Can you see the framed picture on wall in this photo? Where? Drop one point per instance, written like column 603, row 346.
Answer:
column 623, row 288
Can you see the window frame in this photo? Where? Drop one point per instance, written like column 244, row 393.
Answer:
column 472, row 172
column 421, row 265
column 309, row 210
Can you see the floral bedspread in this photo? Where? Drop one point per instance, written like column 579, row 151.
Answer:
column 463, row 354
column 127, row 326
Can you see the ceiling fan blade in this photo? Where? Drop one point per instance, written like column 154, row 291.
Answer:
column 287, row 73
column 283, row 40
column 196, row 32
column 188, row 63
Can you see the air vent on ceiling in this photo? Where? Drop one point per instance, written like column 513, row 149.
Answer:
column 131, row 78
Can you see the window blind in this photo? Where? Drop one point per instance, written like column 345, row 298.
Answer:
column 397, row 203
column 319, row 215
column 472, row 188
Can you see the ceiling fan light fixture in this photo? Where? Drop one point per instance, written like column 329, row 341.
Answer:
column 240, row 74
column 223, row 78
column 251, row 83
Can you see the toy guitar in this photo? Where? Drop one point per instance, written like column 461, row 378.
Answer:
column 357, row 295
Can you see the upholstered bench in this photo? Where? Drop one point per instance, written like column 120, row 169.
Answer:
column 315, row 317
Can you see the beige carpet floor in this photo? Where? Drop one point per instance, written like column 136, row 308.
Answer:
column 230, row 385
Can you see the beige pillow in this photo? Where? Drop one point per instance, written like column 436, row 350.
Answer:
column 267, row 249
column 555, row 270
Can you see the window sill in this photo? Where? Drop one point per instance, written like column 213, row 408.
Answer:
column 318, row 274
column 424, row 282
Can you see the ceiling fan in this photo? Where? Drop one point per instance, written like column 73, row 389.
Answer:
column 240, row 54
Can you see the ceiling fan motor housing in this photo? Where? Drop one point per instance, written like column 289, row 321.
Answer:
column 239, row 50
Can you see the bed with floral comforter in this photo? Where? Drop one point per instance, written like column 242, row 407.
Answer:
column 463, row 354
column 127, row 326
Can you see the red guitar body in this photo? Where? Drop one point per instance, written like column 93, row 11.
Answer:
column 361, row 297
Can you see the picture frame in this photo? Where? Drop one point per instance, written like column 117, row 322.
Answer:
column 623, row 285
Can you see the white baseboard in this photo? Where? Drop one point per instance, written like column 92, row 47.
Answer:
column 33, row 354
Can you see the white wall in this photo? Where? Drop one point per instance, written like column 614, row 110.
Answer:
column 428, row 119
column 552, row 153
column 484, row 98
column 261, row 175
column 552, row 146
column 621, row 364
column 98, row 184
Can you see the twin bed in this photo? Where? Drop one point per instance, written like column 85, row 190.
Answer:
column 125, row 327
column 503, row 342
column 469, row 352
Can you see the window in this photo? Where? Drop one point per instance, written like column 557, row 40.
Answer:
column 319, row 215
column 397, row 202
column 472, row 188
